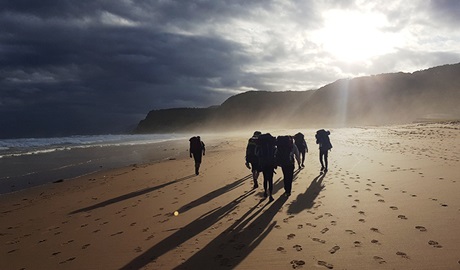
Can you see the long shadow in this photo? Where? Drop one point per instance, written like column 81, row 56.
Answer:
column 185, row 233
column 129, row 195
column 232, row 246
column 306, row 200
column 213, row 194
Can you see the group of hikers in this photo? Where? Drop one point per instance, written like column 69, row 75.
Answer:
column 264, row 153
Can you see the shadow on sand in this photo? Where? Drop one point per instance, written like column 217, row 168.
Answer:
column 129, row 195
column 233, row 245
column 213, row 194
column 186, row 233
column 306, row 200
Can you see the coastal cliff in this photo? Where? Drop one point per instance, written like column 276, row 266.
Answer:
column 370, row 100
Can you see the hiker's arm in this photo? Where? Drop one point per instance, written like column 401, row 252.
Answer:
column 204, row 149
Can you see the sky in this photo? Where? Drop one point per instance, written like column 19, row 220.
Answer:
column 99, row 66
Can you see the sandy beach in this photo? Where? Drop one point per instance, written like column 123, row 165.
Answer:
column 389, row 201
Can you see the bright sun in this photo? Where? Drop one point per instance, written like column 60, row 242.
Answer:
column 353, row 36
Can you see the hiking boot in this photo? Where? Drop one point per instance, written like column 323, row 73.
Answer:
column 271, row 199
column 303, row 166
column 287, row 194
column 325, row 170
column 265, row 195
column 255, row 186
column 322, row 168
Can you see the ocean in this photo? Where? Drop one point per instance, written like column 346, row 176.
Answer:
column 30, row 162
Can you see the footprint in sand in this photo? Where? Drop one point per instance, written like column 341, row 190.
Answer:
column 333, row 223
column 444, row 205
column 96, row 231
column 434, row 244
column 277, row 227
column 374, row 241
column 421, row 228
column 138, row 249
column 350, row 231
column 309, row 224
column 56, row 253
column 318, row 217
column 394, row 208
column 380, row 260
column 150, row 237
column 334, row 249
column 353, row 206
column 357, row 243
column 297, row 263
column 290, row 236
column 323, row 231
column 68, row 260
column 402, row 254
column 374, row 229
column 85, row 246
column 361, row 213
column 402, row 217
column 325, row 264
column 117, row 233
column 300, row 226
column 382, row 201
column 281, row 249
column 357, row 200
column 297, row 247
column 362, row 220
column 318, row 240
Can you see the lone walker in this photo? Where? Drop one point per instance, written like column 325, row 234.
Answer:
column 322, row 139
column 197, row 150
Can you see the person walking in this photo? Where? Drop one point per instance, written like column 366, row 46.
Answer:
column 197, row 150
column 286, row 155
column 299, row 140
column 265, row 152
column 322, row 139
column 252, row 162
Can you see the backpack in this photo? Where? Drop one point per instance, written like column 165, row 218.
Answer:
column 195, row 144
column 284, row 146
column 299, row 140
column 251, row 149
column 265, row 151
column 322, row 138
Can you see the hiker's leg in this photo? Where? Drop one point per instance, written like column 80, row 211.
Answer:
column 265, row 175
column 270, row 180
column 288, row 172
column 303, row 156
column 325, row 158
column 197, row 158
column 321, row 158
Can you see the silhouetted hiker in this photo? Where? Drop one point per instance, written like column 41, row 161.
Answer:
column 322, row 138
column 265, row 152
column 252, row 162
column 301, row 144
column 286, row 150
column 197, row 150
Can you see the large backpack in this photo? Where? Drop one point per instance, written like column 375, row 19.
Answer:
column 322, row 138
column 251, row 149
column 265, row 151
column 195, row 144
column 284, row 146
column 299, row 140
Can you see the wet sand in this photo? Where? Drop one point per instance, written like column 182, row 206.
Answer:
column 389, row 201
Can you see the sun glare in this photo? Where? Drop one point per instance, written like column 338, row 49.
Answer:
column 354, row 36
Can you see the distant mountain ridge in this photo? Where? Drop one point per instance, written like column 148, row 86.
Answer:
column 370, row 100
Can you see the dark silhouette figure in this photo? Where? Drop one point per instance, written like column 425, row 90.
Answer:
column 301, row 144
column 322, row 139
column 252, row 161
column 265, row 152
column 197, row 150
column 286, row 154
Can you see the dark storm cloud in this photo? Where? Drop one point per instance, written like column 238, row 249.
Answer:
column 62, row 69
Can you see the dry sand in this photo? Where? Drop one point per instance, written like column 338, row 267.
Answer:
column 389, row 201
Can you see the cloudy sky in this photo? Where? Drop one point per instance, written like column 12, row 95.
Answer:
column 98, row 66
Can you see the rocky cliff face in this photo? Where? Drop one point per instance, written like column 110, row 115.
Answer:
column 371, row 100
